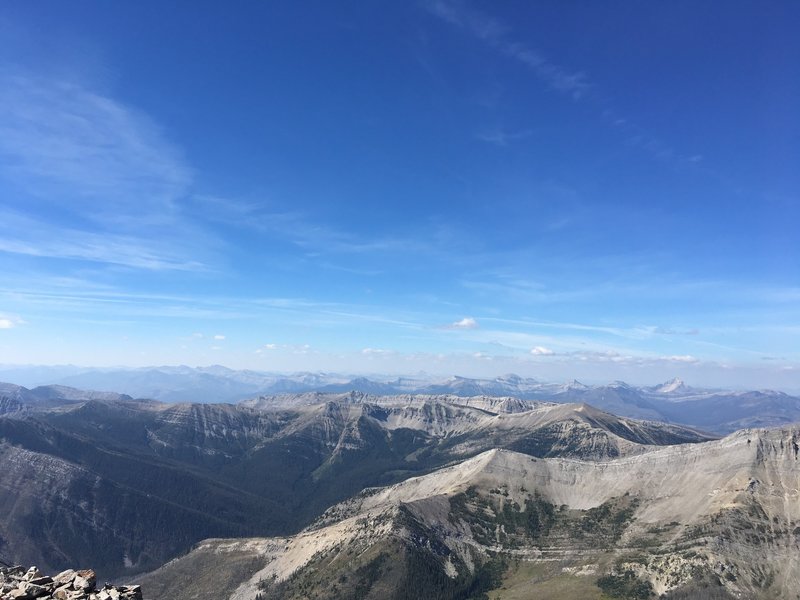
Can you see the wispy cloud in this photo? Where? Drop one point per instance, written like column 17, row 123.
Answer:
column 376, row 352
column 502, row 137
column 116, row 304
column 567, row 326
column 91, row 178
column 296, row 349
column 25, row 235
column 561, row 79
column 60, row 138
column 327, row 245
column 496, row 34
column 683, row 358
column 611, row 356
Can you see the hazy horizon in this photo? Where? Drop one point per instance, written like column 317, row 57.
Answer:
column 556, row 190
column 29, row 375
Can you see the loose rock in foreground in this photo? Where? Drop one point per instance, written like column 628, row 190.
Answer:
column 18, row 584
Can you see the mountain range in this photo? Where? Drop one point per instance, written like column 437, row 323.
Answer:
column 339, row 493
column 129, row 484
column 719, row 411
column 719, row 519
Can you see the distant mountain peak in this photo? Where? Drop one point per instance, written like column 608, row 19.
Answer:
column 619, row 384
column 671, row 386
column 509, row 377
column 575, row 385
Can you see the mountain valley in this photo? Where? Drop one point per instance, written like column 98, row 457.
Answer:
column 130, row 484
column 353, row 495
column 719, row 519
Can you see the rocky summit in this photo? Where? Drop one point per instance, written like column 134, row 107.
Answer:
column 18, row 584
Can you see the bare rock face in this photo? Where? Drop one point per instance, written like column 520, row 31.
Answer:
column 18, row 584
column 724, row 514
column 128, row 485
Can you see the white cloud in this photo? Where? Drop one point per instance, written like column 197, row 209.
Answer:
column 686, row 358
column 219, row 336
column 376, row 352
column 291, row 348
column 465, row 323
column 542, row 351
column 10, row 321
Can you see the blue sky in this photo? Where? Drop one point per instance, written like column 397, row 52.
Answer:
column 591, row 190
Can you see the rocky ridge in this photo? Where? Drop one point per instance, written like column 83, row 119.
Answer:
column 126, row 485
column 18, row 584
column 718, row 410
column 727, row 510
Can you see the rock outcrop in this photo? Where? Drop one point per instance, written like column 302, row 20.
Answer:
column 18, row 584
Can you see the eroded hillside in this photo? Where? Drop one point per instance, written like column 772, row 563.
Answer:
column 126, row 485
column 724, row 514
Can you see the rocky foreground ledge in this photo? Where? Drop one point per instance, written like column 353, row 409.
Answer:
column 18, row 584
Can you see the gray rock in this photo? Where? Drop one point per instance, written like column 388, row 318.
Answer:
column 18, row 584
column 65, row 577
column 32, row 573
